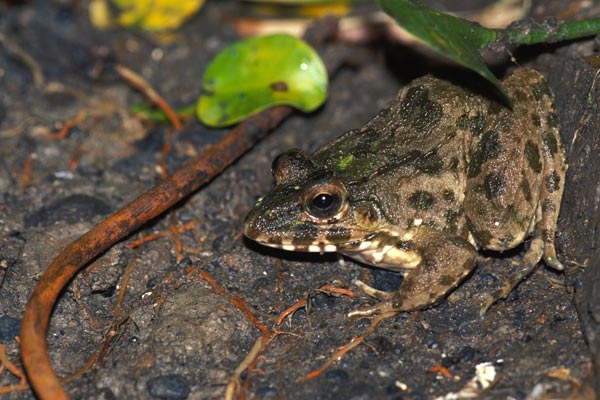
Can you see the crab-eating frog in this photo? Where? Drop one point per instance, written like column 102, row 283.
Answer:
column 436, row 175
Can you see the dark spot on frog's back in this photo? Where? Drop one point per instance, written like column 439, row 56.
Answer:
column 488, row 148
column 475, row 124
column 550, row 143
column 552, row 182
column 421, row 200
column 526, row 190
column 419, row 110
column 453, row 165
column 540, row 90
column 552, row 120
column 548, row 206
column 520, row 96
column 451, row 217
column 494, row 185
column 448, row 195
column 535, row 118
column 532, row 153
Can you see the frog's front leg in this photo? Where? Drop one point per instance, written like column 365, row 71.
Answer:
column 439, row 261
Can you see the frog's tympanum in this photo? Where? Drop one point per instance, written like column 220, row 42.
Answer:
column 438, row 174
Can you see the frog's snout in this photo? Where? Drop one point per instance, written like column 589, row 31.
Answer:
column 251, row 225
column 263, row 224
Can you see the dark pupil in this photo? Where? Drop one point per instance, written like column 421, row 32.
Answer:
column 323, row 201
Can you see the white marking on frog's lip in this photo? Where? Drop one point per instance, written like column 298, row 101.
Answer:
column 312, row 248
column 417, row 222
column 322, row 248
column 330, row 247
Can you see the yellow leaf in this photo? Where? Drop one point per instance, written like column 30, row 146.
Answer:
column 156, row 15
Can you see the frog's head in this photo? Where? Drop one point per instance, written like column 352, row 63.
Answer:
column 310, row 210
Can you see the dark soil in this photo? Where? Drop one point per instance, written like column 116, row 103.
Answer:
column 174, row 336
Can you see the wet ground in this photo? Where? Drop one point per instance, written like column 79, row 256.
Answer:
column 173, row 335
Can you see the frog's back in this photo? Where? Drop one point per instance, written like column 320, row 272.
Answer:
column 411, row 157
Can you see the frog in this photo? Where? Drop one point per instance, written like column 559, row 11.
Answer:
column 439, row 174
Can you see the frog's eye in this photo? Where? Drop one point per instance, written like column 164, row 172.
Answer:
column 325, row 201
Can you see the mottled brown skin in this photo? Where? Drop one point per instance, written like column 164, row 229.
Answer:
column 437, row 174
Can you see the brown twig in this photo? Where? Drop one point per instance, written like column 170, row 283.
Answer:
column 6, row 363
column 27, row 168
column 67, row 126
column 74, row 160
column 25, row 58
column 157, row 235
column 336, row 291
column 290, row 310
column 235, row 383
column 175, row 237
column 345, row 349
column 140, row 83
column 441, row 369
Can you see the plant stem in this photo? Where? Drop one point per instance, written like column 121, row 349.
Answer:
column 549, row 31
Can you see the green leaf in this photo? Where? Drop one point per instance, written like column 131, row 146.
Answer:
column 257, row 73
column 453, row 37
column 462, row 41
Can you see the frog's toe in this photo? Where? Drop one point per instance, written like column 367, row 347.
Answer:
column 388, row 307
column 486, row 305
column 499, row 294
column 371, row 291
column 553, row 263
column 384, row 309
column 364, row 312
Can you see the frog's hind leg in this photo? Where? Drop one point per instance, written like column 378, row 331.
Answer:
column 551, row 194
column 526, row 267
column 445, row 261
column 547, row 211
column 515, row 191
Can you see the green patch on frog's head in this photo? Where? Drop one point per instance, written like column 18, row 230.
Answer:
column 309, row 211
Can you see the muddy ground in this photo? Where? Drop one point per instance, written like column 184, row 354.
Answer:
column 175, row 337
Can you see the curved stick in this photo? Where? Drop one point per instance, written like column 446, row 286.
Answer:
column 122, row 223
